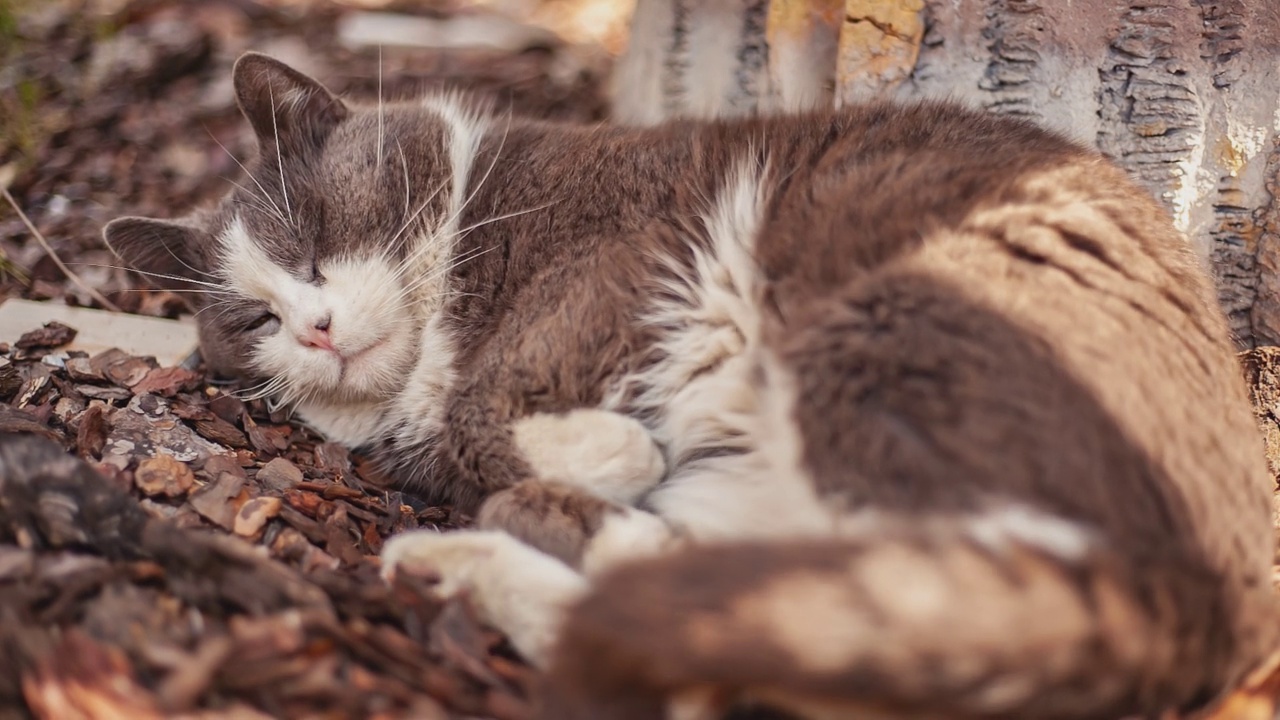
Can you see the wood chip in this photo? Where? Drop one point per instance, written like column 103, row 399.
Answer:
column 10, row 379
column 269, row 440
column 253, row 516
column 130, row 371
column 279, row 475
column 50, row 335
column 214, row 501
column 162, row 475
column 220, row 431
column 333, row 458
column 83, row 370
column 91, row 435
column 109, row 394
column 166, row 381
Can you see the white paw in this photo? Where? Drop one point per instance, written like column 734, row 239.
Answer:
column 625, row 537
column 515, row 588
column 608, row 453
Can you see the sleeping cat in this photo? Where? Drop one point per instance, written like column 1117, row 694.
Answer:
column 896, row 411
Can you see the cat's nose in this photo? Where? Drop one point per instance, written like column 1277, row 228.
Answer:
column 317, row 336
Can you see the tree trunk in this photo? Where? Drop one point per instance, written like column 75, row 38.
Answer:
column 1185, row 94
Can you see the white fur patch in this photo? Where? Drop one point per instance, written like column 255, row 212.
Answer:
column 604, row 452
column 624, row 537
column 519, row 590
column 1010, row 525
column 702, row 396
column 361, row 298
column 344, row 395
column 419, row 409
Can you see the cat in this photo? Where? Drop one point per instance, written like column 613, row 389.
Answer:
column 902, row 410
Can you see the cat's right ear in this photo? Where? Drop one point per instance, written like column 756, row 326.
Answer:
column 289, row 111
column 163, row 251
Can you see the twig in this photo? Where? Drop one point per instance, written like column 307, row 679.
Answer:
column 54, row 256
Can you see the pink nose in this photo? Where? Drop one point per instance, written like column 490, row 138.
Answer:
column 317, row 336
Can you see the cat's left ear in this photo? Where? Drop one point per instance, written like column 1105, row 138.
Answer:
column 284, row 106
column 166, row 252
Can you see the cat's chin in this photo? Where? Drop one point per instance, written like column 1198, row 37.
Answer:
column 349, row 423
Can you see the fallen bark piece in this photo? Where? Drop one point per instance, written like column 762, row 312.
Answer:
column 269, row 440
column 162, row 475
column 83, row 679
column 220, row 431
column 227, row 407
column 254, row 515
column 166, row 381
column 213, row 501
column 106, row 394
column 130, row 371
column 91, row 435
column 333, row 458
column 83, row 370
column 18, row 421
column 279, row 475
column 308, row 503
column 10, row 379
column 135, row 435
column 50, row 335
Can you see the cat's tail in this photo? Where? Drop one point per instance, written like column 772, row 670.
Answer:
column 915, row 623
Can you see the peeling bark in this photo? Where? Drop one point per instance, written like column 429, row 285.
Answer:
column 1178, row 92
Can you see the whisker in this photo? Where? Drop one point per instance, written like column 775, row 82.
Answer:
column 489, row 171
column 256, row 203
column 508, row 216
column 265, row 195
column 270, row 387
column 275, row 127
column 380, row 120
column 459, row 233
column 217, row 287
column 405, row 165
column 403, row 265
column 445, row 232
column 448, row 268
column 220, row 303
column 229, row 307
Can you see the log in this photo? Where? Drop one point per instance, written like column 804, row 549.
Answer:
column 1178, row 92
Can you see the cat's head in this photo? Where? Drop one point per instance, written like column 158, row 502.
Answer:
column 314, row 276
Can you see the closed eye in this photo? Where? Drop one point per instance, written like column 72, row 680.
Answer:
column 265, row 323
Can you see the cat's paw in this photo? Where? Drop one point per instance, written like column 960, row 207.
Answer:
column 522, row 592
column 608, row 453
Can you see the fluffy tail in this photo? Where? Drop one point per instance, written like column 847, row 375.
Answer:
column 918, row 623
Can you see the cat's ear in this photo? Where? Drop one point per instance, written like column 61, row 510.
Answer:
column 164, row 251
column 283, row 105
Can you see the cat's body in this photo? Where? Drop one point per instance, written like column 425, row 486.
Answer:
column 917, row 410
